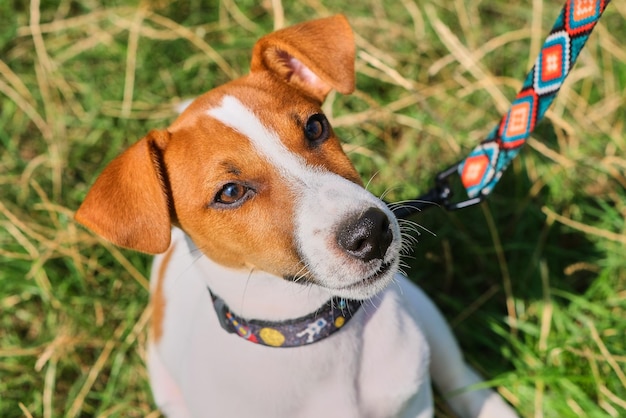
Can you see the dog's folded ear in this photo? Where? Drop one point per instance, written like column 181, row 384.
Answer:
column 316, row 56
column 128, row 204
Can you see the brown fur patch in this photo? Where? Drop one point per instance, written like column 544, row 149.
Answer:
column 158, row 298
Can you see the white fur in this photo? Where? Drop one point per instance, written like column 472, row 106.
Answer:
column 361, row 369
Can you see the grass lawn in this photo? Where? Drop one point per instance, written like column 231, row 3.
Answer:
column 533, row 281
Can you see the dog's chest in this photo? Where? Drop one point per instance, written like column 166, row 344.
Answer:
column 376, row 366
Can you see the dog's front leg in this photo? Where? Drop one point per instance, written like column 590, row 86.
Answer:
column 165, row 391
column 448, row 369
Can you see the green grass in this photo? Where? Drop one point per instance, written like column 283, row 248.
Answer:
column 533, row 281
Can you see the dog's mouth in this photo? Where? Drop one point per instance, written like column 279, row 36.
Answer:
column 371, row 280
column 382, row 271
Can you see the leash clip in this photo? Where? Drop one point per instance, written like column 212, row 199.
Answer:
column 444, row 192
column 440, row 195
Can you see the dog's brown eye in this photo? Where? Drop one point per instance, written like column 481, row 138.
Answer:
column 232, row 194
column 317, row 129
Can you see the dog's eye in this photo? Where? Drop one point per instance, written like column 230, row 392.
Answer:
column 232, row 195
column 317, row 129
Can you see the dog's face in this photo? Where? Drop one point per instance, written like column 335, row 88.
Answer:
column 273, row 190
column 253, row 172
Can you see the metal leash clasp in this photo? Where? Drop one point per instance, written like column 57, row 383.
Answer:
column 439, row 196
column 442, row 187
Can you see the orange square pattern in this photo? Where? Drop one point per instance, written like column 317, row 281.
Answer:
column 584, row 9
column 518, row 119
column 474, row 170
column 552, row 63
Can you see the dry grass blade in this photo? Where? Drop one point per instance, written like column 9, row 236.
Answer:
column 95, row 370
column 467, row 59
column 504, row 270
column 27, row 108
column 87, row 20
column 610, row 359
column 196, row 40
column 131, row 63
column 587, row 229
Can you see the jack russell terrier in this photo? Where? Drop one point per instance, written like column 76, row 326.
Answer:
column 276, row 290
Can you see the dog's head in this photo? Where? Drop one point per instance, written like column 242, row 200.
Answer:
column 253, row 172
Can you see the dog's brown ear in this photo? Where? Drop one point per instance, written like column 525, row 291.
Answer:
column 316, row 56
column 128, row 203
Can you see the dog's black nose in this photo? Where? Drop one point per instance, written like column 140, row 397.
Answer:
column 366, row 237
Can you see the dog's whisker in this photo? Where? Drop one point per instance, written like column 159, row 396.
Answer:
column 245, row 290
column 301, row 273
column 409, row 238
column 407, row 227
column 396, row 282
column 403, row 265
column 401, row 204
column 367, row 185
column 408, row 222
column 409, row 241
column 386, row 192
column 414, row 226
column 195, row 255
column 369, row 303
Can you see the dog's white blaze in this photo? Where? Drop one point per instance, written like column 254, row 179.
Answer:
column 235, row 115
column 322, row 200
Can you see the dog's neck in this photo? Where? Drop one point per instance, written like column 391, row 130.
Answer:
column 258, row 294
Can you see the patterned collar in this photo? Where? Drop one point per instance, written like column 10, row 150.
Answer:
column 316, row 326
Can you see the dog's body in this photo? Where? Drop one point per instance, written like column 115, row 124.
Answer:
column 276, row 222
column 378, row 366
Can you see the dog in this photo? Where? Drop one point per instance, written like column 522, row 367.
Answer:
column 275, row 288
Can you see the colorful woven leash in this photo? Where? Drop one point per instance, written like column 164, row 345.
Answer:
column 481, row 170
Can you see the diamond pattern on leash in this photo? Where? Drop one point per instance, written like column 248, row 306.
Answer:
column 479, row 167
column 582, row 15
column 552, row 65
column 519, row 121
